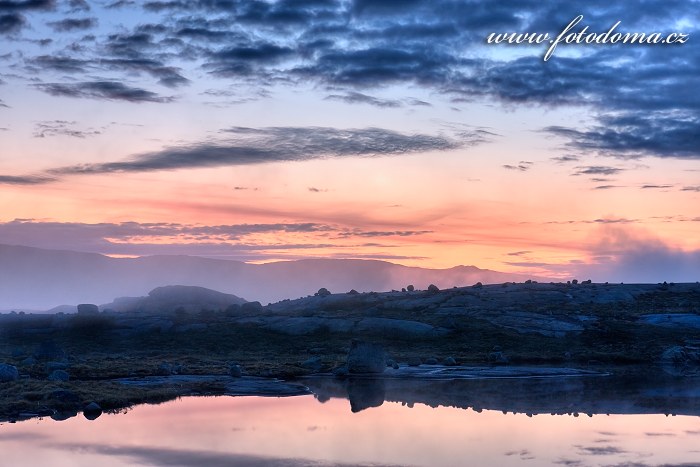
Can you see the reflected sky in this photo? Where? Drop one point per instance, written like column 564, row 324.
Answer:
column 254, row 431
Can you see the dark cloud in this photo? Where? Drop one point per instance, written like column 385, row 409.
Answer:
column 107, row 90
column 639, row 135
column 167, row 75
column 248, row 59
column 313, row 189
column 25, row 5
column 72, row 24
column 636, row 106
column 78, row 5
column 691, row 188
column 597, row 170
column 656, row 187
column 25, row 180
column 247, row 146
column 359, row 98
column 607, row 187
column 120, row 4
column 62, row 128
column 2, row 104
column 11, row 22
column 11, row 18
column 60, row 63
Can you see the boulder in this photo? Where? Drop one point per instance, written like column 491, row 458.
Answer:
column 235, row 370
column 431, row 361
column 8, row 372
column 366, row 357
column 498, row 358
column 165, row 369
column 449, row 361
column 29, row 361
column 59, row 375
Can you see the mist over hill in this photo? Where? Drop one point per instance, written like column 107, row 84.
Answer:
column 34, row 278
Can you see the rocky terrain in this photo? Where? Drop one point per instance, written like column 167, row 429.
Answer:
column 189, row 340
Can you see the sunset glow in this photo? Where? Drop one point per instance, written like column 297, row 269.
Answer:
column 283, row 130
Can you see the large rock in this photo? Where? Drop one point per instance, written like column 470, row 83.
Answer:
column 88, row 309
column 366, row 357
column 169, row 298
column 8, row 373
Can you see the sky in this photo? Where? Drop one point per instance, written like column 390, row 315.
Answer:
column 384, row 129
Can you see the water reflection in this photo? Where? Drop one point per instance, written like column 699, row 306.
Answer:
column 634, row 393
column 368, row 422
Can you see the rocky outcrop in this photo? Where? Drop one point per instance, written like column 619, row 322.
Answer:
column 88, row 309
column 171, row 297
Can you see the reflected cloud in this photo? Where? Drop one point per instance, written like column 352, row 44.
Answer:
column 186, row 458
column 599, row 450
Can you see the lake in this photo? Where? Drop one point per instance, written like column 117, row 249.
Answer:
column 376, row 428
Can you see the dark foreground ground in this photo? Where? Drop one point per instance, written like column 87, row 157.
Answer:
column 605, row 328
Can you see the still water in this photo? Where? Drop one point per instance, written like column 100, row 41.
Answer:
column 295, row 431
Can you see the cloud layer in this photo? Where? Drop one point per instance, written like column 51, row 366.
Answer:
column 638, row 107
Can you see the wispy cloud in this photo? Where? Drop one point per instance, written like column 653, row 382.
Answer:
column 523, row 166
column 25, row 180
column 597, row 170
column 72, row 24
column 62, row 128
column 359, row 98
column 565, row 159
column 246, row 146
column 106, row 90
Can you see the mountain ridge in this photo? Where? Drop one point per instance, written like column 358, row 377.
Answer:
column 40, row 278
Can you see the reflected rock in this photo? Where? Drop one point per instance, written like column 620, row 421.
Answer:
column 63, row 415
column 365, row 393
column 92, row 411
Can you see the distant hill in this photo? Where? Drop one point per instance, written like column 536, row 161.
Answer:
column 42, row 279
